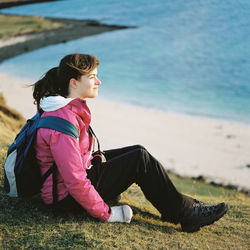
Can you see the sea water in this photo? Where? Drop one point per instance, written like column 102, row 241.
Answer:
column 183, row 56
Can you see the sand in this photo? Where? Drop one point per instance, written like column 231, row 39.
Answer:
column 186, row 145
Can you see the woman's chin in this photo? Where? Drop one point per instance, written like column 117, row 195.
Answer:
column 94, row 95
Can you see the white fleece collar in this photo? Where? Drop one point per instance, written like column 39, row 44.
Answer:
column 53, row 103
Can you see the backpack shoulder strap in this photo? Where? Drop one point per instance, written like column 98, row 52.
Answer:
column 58, row 124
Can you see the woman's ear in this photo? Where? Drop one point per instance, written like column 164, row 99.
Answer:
column 73, row 83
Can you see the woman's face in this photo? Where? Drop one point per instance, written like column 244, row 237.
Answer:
column 87, row 85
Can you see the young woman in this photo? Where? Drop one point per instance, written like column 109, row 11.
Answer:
column 62, row 92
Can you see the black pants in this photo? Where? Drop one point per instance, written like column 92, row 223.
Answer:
column 129, row 165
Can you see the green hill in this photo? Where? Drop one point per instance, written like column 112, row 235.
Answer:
column 28, row 224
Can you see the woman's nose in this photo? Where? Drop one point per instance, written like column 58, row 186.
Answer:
column 98, row 82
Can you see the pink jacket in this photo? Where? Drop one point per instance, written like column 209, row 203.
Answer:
column 72, row 157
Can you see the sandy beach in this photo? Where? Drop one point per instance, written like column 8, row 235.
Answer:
column 186, row 145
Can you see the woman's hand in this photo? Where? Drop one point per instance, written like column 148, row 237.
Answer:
column 121, row 214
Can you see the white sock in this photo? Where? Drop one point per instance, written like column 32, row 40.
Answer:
column 121, row 214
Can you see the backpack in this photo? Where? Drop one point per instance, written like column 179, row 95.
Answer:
column 22, row 177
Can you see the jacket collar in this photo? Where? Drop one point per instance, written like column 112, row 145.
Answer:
column 53, row 103
column 77, row 105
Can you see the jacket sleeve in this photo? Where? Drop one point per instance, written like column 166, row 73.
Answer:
column 66, row 153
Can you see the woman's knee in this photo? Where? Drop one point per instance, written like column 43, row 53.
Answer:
column 141, row 152
column 138, row 146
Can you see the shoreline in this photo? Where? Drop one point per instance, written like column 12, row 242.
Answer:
column 190, row 114
column 214, row 151
column 73, row 29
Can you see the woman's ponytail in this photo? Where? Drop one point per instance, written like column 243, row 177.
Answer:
column 47, row 86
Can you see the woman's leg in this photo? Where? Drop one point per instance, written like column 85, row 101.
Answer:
column 69, row 203
column 135, row 164
column 109, row 154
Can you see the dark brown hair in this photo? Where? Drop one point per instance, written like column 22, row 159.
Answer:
column 56, row 80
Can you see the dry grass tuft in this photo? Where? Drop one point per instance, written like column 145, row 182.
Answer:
column 10, row 122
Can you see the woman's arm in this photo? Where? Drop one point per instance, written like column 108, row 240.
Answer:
column 67, row 155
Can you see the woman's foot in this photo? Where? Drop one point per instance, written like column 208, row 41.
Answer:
column 198, row 215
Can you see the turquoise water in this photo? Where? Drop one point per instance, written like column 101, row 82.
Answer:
column 184, row 56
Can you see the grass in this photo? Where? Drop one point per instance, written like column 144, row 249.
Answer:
column 28, row 224
column 12, row 26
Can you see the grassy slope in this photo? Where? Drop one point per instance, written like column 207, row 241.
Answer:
column 28, row 224
column 22, row 25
